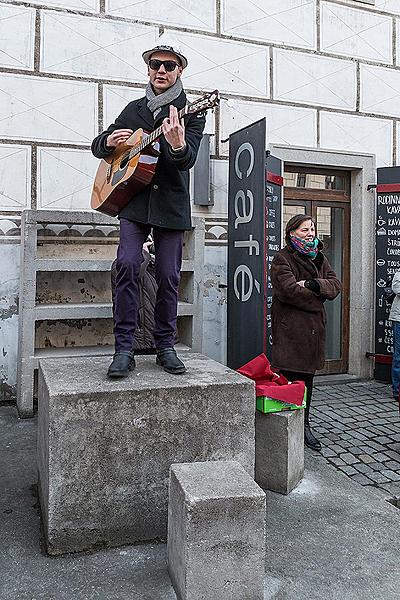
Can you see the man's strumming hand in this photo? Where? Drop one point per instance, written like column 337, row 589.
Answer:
column 119, row 136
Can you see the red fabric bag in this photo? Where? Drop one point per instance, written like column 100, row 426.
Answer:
column 271, row 384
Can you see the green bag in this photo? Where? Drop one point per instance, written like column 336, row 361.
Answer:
column 268, row 405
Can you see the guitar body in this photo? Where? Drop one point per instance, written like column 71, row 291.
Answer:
column 118, row 179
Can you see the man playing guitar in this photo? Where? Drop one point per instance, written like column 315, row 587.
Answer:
column 163, row 206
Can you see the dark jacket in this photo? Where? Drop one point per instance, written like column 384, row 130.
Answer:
column 298, row 313
column 165, row 202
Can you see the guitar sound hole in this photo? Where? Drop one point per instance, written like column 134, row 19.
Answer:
column 124, row 162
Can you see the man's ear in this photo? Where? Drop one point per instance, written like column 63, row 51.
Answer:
column 180, row 71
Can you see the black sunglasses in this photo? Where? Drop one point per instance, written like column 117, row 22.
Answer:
column 169, row 65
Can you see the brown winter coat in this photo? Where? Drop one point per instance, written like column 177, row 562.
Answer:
column 298, row 314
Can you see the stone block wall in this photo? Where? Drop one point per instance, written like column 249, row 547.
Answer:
column 325, row 73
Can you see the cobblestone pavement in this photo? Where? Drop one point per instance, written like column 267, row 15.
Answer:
column 358, row 425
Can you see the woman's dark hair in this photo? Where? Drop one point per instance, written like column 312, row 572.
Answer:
column 294, row 223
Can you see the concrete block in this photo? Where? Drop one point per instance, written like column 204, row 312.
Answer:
column 230, row 73
column 194, row 15
column 75, row 168
column 216, row 532
column 280, row 450
column 15, row 177
column 289, row 22
column 105, row 447
column 366, row 35
column 310, row 79
column 286, row 124
column 358, row 134
column 91, row 47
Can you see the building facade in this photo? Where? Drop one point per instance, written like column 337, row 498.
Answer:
column 324, row 73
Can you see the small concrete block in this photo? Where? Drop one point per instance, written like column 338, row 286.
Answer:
column 105, row 447
column 280, row 450
column 216, row 532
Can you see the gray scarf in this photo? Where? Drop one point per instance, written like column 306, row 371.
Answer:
column 155, row 103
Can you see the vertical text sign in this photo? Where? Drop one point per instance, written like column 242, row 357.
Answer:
column 387, row 262
column 246, row 253
column 273, row 235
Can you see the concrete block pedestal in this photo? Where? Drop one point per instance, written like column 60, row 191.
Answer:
column 280, row 450
column 216, row 532
column 105, row 447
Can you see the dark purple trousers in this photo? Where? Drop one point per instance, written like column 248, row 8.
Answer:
column 168, row 251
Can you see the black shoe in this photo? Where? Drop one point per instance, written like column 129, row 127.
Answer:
column 122, row 363
column 169, row 361
column 310, row 440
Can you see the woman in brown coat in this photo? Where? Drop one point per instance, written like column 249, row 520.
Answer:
column 302, row 280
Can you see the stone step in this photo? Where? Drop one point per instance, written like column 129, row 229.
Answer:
column 82, row 264
column 216, row 532
column 89, row 310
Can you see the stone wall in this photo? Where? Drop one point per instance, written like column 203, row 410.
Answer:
column 325, row 73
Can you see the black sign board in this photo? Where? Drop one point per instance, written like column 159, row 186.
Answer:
column 246, row 245
column 273, row 230
column 387, row 263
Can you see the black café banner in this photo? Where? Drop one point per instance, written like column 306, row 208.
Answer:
column 254, row 236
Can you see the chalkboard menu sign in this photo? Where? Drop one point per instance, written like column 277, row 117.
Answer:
column 387, row 263
column 273, row 230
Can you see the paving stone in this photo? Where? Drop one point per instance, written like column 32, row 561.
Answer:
column 366, row 433
column 353, row 449
column 377, row 466
column 337, row 461
column 365, row 469
column 336, row 448
column 333, row 437
column 394, row 465
column 376, row 446
column 378, row 477
column 394, row 446
column 348, row 458
column 348, row 469
column 392, row 475
column 360, row 478
column 395, row 437
column 380, row 421
column 393, row 488
column 366, row 458
column 358, row 436
column 345, row 444
column 392, row 454
column 381, row 457
column 383, row 439
column 328, row 453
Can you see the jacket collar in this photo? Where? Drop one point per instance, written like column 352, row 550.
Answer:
column 144, row 113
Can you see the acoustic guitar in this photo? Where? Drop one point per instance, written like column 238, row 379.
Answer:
column 132, row 165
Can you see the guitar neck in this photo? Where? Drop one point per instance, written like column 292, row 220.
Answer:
column 156, row 133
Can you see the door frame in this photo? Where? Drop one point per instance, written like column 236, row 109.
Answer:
column 362, row 251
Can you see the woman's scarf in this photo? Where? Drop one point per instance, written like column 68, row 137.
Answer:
column 156, row 102
column 310, row 249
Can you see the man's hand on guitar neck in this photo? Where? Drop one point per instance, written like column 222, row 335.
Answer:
column 119, row 136
column 174, row 130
